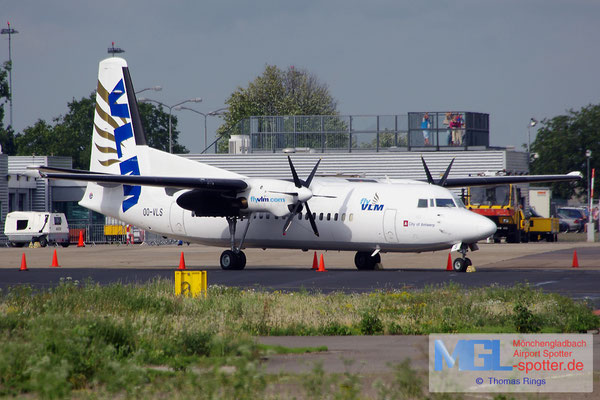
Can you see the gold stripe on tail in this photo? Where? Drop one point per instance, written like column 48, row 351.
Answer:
column 106, row 150
column 104, row 134
column 108, row 163
column 110, row 120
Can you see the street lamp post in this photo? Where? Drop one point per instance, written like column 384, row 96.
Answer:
column 155, row 88
column 9, row 31
column 532, row 123
column 590, row 223
column 211, row 113
column 194, row 100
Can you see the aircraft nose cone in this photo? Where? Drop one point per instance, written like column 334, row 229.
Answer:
column 487, row 227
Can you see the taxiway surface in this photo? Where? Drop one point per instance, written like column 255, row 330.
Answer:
column 544, row 265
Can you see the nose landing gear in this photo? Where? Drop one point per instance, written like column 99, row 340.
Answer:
column 461, row 264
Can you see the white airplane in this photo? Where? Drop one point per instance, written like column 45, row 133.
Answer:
column 195, row 202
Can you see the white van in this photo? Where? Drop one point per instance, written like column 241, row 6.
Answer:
column 23, row 227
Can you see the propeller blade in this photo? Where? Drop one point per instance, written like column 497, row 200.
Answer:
column 312, row 174
column 289, row 220
column 429, row 177
column 445, row 176
column 324, row 195
column 294, row 174
column 312, row 220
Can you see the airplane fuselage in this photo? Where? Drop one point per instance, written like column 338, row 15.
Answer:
column 357, row 215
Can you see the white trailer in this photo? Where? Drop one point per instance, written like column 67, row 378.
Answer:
column 23, row 227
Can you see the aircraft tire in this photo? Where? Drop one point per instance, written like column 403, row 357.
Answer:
column 228, row 260
column 364, row 261
column 459, row 265
column 241, row 260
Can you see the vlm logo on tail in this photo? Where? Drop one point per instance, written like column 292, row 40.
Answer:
column 371, row 205
column 120, row 121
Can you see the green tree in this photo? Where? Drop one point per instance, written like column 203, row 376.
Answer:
column 561, row 144
column 70, row 135
column 7, row 136
column 277, row 92
column 37, row 140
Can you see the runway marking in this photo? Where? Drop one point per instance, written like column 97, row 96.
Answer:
column 545, row 283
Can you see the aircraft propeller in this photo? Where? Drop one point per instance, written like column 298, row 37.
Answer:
column 442, row 181
column 303, row 195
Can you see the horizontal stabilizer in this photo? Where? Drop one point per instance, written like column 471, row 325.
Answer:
column 216, row 184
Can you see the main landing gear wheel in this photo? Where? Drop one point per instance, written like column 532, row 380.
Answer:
column 364, row 261
column 235, row 258
column 231, row 260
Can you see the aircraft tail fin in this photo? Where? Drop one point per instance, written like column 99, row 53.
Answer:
column 117, row 124
column 119, row 148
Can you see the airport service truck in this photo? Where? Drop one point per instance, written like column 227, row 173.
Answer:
column 505, row 205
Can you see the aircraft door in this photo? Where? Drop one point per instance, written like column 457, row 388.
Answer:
column 176, row 219
column 389, row 226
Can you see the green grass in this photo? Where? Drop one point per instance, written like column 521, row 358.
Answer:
column 86, row 340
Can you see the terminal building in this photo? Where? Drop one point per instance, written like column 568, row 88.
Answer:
column 375, row 146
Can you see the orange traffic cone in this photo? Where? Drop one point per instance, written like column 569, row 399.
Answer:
column 315, row 262
column 449, row 264
column 54, row 260
column 80, row 242
column 321, row 265
column 575, row 261
column 23, row 264
column 181, row 261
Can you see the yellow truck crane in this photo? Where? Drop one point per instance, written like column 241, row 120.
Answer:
column 503, row 204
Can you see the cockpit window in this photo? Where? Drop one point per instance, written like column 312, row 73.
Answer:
column 458, row 201
column 444, row 203
column 422, row 203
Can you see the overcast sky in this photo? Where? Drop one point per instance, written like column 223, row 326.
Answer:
column 513, row 59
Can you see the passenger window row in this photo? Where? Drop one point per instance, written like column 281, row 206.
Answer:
column 320, row 216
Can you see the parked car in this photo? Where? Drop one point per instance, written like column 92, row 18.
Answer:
column 571, row 218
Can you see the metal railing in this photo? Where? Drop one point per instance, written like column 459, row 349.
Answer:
column 348, row 133
column 96, row 234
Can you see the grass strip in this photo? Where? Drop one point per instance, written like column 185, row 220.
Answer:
column 80, row 338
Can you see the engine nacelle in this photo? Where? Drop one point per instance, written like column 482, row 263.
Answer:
column 270, row 195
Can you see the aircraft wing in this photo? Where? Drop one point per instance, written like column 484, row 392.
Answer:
column 212, row 184
column 502, row 180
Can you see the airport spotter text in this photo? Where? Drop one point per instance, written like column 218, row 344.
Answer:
column 548, row 365
column 539, row 353
column 549, row 343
